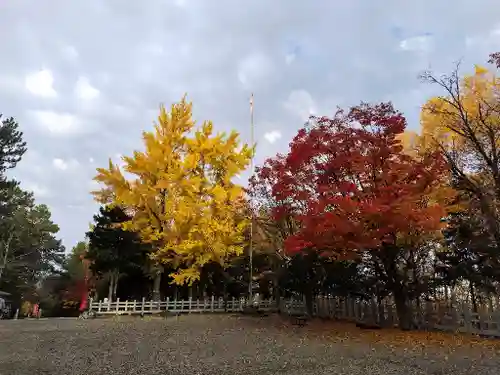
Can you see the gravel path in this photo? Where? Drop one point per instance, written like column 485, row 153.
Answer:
column 225, row 345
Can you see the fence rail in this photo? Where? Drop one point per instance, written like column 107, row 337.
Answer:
column 430, row 316
column 212, row 305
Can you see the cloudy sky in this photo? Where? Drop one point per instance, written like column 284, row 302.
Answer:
column 84, row 78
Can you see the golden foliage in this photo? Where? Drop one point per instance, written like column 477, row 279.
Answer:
column 449, row 122
column 183, row 197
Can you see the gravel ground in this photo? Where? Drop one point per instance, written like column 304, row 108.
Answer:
column 229, row 345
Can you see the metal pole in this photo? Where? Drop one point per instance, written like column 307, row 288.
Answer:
column 250, row 289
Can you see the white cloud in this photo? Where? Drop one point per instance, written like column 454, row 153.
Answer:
column 421, row 43
column 41, row 84
column 38, row 190
column 301, row 104
column 253, row 70
column 487, row 40
column 84, row 90
column 57, row 123
column 91, row 160
column 272, row 136
column 59, row 164
column 75, row 206
column 64, row 165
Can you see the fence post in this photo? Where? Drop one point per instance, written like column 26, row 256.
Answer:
column 190, row 300
column 168, row 301
column 99, row 307
column 135, row 306
column 126, row 306
column 117, row 305
column 109, row 305
column 143, row 303
column 212, row 304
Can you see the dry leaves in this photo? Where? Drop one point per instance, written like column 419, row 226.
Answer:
column 396, row 339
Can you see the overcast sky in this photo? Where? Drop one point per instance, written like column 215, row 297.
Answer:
column 84, row 78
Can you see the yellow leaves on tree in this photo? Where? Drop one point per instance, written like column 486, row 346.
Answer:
column 465, row 125
column 182, row 198
column 469, row 113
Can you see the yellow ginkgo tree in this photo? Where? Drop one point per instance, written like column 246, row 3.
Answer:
column 464, row 124
column 182, row 196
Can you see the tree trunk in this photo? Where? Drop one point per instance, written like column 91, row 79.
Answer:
column 225, row 295
column 473, row 296
column 404, row 311
column 5, row 254
column 276, row 286
column 309, row 301
column 380, row 311
column 277, row 296
column 115, row 286
column 156, row 286
column 111, row 286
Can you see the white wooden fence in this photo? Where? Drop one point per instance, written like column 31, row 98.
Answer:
column 430, row 316
column 211, row 305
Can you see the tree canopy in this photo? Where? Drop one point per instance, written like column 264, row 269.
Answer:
column 183, row 198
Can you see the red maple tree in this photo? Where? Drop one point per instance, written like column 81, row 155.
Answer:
column 349, row 185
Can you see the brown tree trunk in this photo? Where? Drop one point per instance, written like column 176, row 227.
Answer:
column 309, row 301
column 156, row 286
column 277, row 295
column 473, row 296
column 225, row 296
column 404, row 311
column 110, row 287
column 115, row 285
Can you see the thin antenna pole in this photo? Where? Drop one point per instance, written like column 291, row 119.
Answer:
column 250, row 289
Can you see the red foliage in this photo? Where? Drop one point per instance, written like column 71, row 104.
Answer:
column 349, row 185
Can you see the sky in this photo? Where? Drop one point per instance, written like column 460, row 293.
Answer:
column 85, row 78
